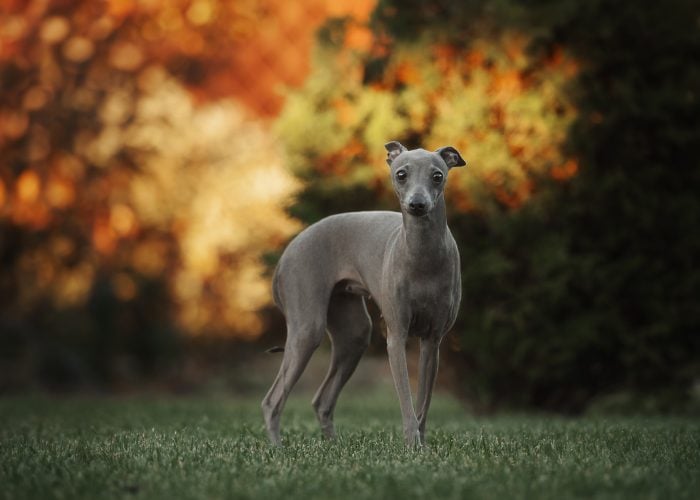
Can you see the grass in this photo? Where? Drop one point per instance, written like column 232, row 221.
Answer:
column 209, row 448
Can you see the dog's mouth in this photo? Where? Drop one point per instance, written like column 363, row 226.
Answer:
column 417, row 212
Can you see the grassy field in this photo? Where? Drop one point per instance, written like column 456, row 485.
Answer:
column 209, row 448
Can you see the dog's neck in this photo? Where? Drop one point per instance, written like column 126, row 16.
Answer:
column 425, row 238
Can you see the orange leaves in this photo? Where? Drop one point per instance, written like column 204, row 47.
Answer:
column 345, row 112
column 27, row 207
column 13, row 124
column 33, row 199
column 474, row 59
column 338, row 163
column 505, row 85
column 122, row 220
column 78, row 49
column 408, row 73
column 104, row 148
column 126, row 56
column 359, row 10
column 445, row 57
column 60, row 192
column 35, row 98
column 200, row 12
column 54, row 30
column 508, row 103
column 560, row 61
column 108, row 228
column 358, row 37
column 28, row 187
column 104, row 240
column 565, row 171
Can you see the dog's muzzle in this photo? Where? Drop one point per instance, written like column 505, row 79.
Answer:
column 418, row 206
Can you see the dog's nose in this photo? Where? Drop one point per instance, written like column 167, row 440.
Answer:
column 417, row 206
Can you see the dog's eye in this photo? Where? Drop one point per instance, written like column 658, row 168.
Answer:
column 437, row 177
column 401, row 175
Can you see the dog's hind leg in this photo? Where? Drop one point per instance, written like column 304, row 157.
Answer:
column 350, row 327
column 302, row 341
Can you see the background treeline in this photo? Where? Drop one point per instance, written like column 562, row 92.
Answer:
column 578, row 218
column 135, row 245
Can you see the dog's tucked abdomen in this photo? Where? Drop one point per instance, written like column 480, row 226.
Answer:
column 348, row 246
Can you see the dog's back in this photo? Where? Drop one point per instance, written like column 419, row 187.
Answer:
column 344, row 247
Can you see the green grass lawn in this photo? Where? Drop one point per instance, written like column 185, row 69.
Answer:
column 209, row 448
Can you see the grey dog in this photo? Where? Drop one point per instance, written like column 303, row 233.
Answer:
column 407, row 262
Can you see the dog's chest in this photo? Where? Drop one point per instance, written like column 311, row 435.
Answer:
column 430, row 309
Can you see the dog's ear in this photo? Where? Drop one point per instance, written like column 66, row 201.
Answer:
column 451, row 157
column 394, row 149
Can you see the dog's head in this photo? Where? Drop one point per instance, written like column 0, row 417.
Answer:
column 419, row 176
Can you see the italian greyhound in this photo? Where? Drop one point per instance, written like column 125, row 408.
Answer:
column 407, row 262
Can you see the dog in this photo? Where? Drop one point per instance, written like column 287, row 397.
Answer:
column 407, row 262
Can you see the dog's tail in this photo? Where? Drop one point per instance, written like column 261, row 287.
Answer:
column 275, row 349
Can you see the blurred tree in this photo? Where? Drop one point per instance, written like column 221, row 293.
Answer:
column 139, row 182
column 577, row 216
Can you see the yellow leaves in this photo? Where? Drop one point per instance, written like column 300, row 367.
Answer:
column 70, row 286
column 78, row 49
column 116, row 108
column 126, row 56
column 54, row 30
column 214, row 178
column 150, row 257
column 200, row 12
column 122, row 220
column 383, row 119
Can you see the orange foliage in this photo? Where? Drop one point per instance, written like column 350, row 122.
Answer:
column 504, row 106
column 358, row 37
column 345, row 111
column 505, row 85
column 565, row 171
column 474, row 59
column 60, row 193
column 28, row 187
column 445, row 57
column 408, row 73
column 116, row 135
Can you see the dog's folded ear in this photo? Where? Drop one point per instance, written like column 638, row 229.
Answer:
column 394, row 149
column 451, row 157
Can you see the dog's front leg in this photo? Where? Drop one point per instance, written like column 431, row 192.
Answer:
column 427, row 372
column 396, row 347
